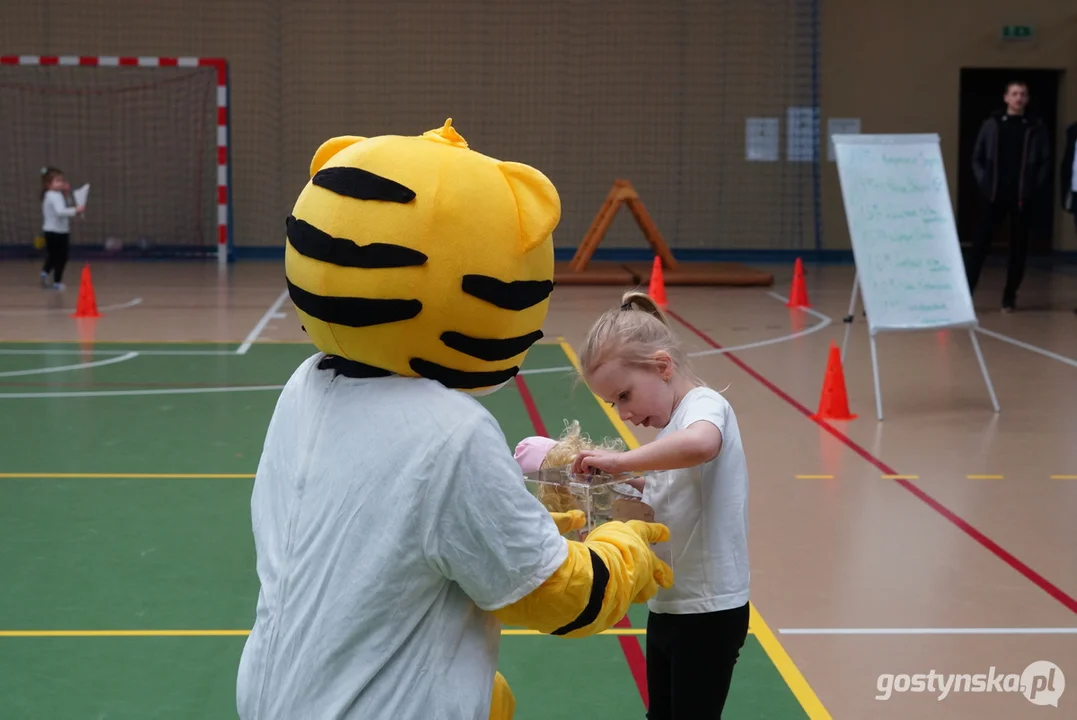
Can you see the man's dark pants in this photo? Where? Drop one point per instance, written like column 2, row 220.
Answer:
column 995, row 215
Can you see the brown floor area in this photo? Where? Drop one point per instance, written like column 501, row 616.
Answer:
column 855, row 551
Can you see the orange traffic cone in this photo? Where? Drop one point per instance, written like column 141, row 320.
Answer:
column 798, row 293
column 86, row 307
column 657, row 286
column 834, row 403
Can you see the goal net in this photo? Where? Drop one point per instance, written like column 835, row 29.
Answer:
column 144, row 136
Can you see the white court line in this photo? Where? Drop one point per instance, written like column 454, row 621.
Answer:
column 55, row 311
column 65, row 368
column 932, row 631
column 154, row 391
column 124, row 351
column 825, row 321
column 541, row 371
column 1028, row 346
column 254, row 333
column 173, row 391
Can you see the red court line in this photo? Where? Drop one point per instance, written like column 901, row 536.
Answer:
column 637, row 662
column 1043, row 583
column 530, row 406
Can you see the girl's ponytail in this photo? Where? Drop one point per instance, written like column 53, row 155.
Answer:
column 643, row 301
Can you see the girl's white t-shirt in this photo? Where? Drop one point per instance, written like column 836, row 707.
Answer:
column 706, row 510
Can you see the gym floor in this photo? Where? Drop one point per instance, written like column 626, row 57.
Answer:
column 940, row 539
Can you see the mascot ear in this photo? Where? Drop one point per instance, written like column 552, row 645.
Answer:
column 329, row 148
column 537, row 202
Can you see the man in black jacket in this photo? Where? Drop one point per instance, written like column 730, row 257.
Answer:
column 1011, row 162
column 1068, row 181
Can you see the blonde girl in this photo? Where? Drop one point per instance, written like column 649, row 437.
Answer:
column 698, row 487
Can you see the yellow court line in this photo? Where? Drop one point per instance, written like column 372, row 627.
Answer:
column 130, row 476
column 901, row 477
column 1064, row 477
column 813, row 707
column 611, row 631
column 228, row 633
column 777, row 654
column 121, row 633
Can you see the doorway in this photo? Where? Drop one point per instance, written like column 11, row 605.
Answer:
column 981, row 94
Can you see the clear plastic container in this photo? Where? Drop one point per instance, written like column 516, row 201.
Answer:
column 601, row 497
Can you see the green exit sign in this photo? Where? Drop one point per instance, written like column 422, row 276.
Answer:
column 1018, row 33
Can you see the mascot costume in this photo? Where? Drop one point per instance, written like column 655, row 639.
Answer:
column 393, row 530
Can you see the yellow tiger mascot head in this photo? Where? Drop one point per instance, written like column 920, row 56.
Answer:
column 418, row 256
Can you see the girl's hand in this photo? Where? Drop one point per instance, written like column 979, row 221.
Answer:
column 603, row 460
column 80, row 209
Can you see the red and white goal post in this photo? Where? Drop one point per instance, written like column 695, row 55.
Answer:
column 199, row 196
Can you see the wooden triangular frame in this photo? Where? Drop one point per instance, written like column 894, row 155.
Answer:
column 622, row 193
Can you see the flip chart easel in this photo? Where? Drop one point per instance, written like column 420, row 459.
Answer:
column 909, row 270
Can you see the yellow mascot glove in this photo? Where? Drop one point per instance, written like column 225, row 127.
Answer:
column 631, row 541
column 569, row 521
column 503, row 704
column 592, row 590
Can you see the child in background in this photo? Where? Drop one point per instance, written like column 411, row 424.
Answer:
column 56, row 225
column 698, row 487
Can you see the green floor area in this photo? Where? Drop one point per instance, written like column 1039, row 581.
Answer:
column 107, row 527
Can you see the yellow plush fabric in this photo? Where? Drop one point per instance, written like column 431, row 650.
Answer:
column 569, row 521
column 503, row 703
column 565, row 604
column 418, row 256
